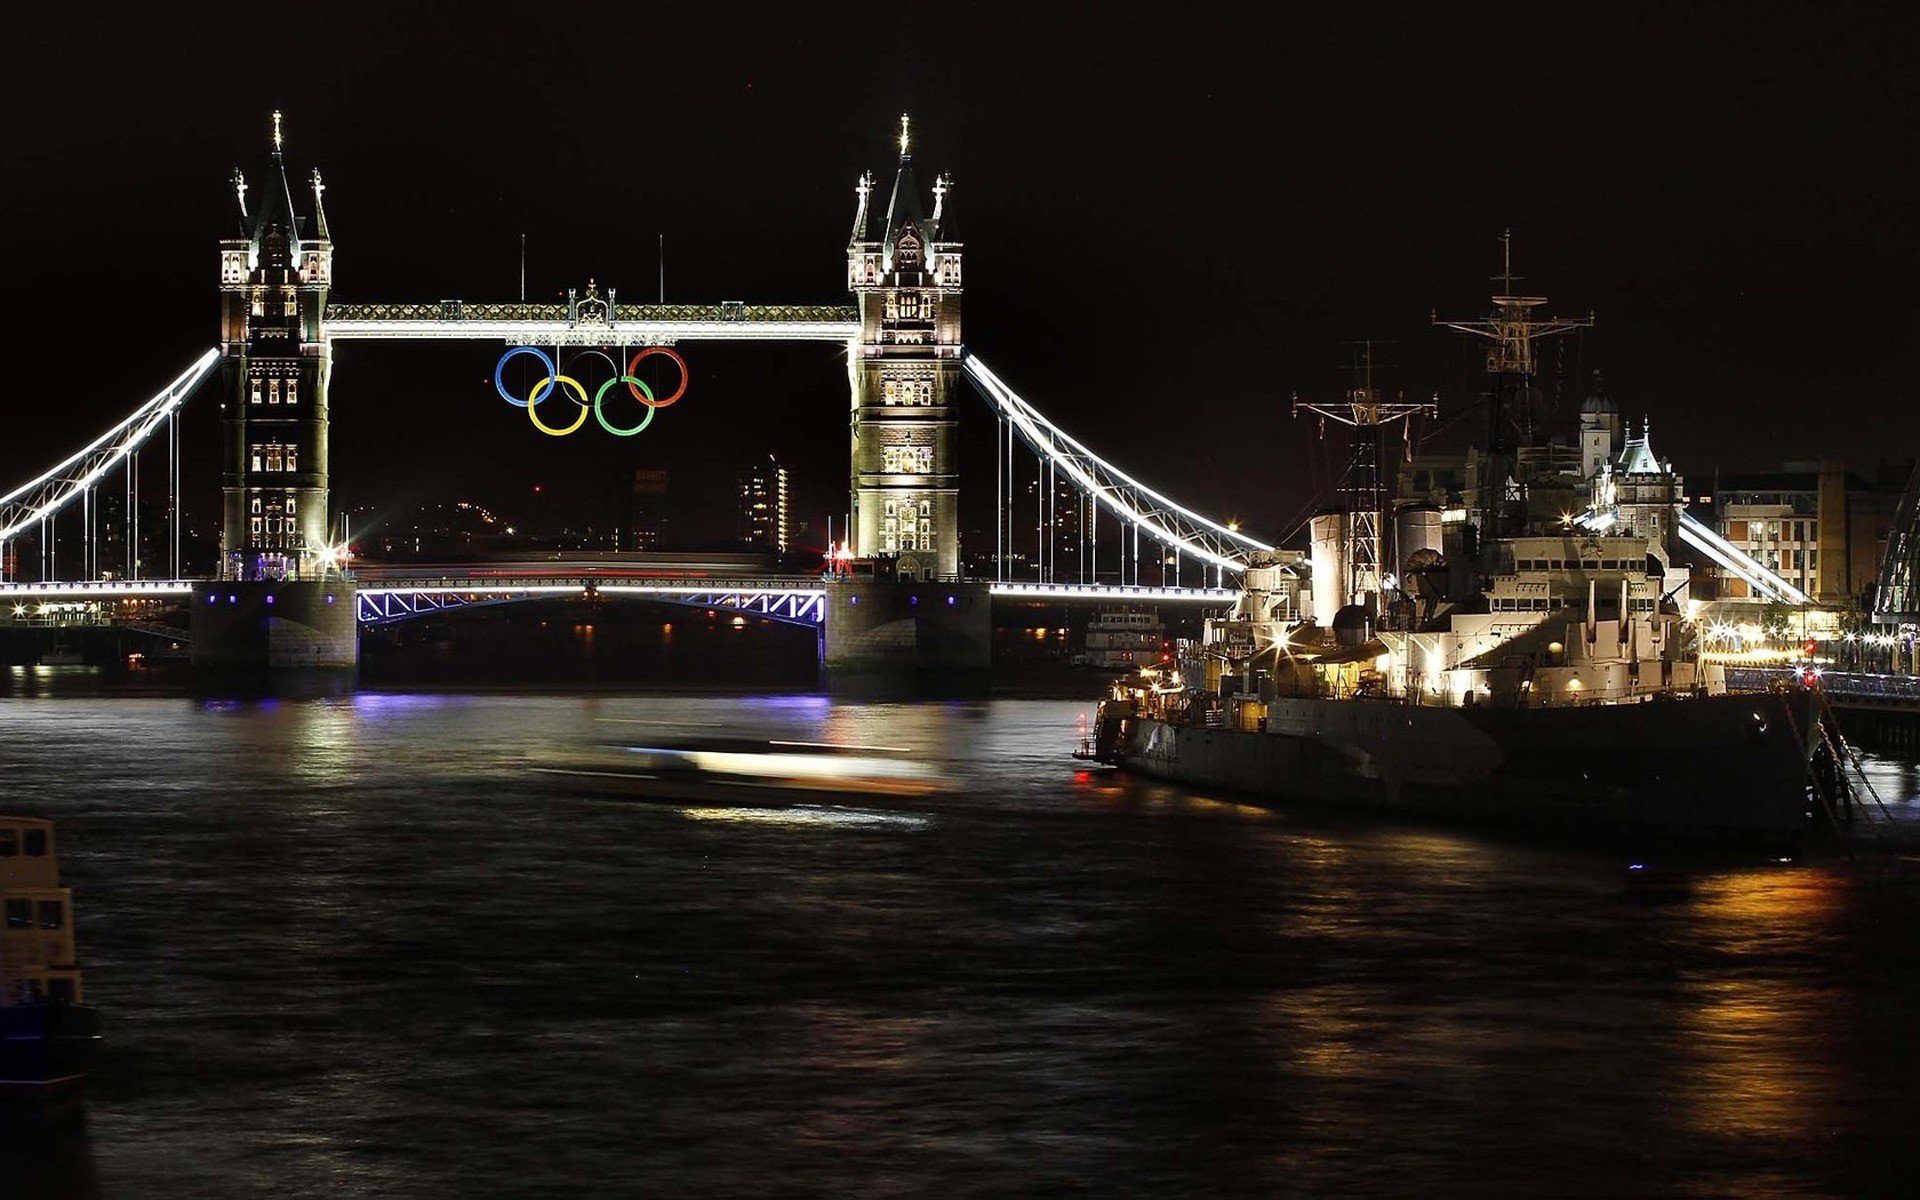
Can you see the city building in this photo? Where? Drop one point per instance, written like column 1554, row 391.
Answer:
column 647, row 509
column 764, row 518
column 1817, row 525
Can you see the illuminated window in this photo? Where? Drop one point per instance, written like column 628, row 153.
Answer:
column 292, row 393
column 909, row 305
column 273, row 391
column 255, row 509
column 289, row 505
column 256, row 458
column 255, row 389
column 253, row 529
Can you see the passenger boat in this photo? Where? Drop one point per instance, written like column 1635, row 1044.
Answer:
column 1522, row 654
column 47, row 1032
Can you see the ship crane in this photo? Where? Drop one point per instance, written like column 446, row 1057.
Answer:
column 1362, row 492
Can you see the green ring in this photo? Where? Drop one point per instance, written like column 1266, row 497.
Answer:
column 614, row 429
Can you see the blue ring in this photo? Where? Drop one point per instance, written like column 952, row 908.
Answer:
column 499, row 369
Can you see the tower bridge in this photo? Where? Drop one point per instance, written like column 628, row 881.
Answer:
column 277, row 589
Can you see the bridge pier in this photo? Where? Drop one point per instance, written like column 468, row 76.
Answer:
column 284, row 635
column 908, row 637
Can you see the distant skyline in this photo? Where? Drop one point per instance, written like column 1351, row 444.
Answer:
column 1170, row 228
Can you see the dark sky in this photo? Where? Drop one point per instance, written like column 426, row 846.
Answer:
column 1172, row 225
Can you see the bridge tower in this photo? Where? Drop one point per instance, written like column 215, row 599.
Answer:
column 903, row 267
column 280, row 614
column 275, row 272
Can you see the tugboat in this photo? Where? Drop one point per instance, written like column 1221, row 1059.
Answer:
column 1519, row 653
column 47, row 1032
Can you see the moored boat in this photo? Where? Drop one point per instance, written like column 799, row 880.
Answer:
column 47, row 1031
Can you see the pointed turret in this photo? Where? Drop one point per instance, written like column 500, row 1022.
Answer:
column 862, row 189
column 908, row 232
column 279, row 249
column 319, row 210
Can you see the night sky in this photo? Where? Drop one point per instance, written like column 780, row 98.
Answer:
column 1171, row 226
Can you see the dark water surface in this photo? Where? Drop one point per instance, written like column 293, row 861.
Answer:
column 356, row 947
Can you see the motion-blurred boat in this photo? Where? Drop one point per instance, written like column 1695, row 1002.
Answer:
column 743, row 770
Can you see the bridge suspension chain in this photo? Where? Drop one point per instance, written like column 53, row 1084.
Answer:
column 34, row 505
column 1139, row 508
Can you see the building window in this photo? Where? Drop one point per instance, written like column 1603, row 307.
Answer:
column 53, row 914
column 256, row 456
column 253, row 530
column 292, row 392
column 19, row 914
column 288, row 504
column 9, row 842
column 254, row 389
column 273, row 391
column 909, row 306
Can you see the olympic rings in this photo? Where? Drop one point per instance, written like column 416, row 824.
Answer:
column 499, row 369
column 647, row 400
column 539, row 393
column 555, row 380
column 634, row 367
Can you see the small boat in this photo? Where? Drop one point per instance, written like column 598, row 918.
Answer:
column 47, row 1032
column 744, row 770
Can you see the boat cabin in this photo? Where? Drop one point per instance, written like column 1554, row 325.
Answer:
column 36, row 918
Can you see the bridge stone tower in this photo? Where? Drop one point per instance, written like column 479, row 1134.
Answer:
column 903, row 268
column 280, row 614
column 274, row 278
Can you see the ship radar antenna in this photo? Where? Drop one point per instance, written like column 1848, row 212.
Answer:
column 1512, row 327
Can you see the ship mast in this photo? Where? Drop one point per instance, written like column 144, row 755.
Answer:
column 1512, row 327
column 1362, row 491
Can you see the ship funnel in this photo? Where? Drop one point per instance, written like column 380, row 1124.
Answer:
column 1416, row 528
column 1328, row 533
column 1626, row 621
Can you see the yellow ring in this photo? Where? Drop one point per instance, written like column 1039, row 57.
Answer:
column 540, row 390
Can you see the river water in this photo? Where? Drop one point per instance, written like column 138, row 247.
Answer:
column 357, row 947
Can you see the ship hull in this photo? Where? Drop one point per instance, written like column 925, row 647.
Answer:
column 45, row 1046
column 1725, row 769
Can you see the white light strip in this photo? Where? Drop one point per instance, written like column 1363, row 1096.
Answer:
column 563, row 333
column 132, row 432
column 1094, row 591
column 1734, row 559
column 1045, row 437
column 110, row 590
column 482, row 590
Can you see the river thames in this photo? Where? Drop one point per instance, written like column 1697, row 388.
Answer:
column 359, row 946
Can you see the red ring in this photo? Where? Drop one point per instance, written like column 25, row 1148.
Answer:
column 678, row 361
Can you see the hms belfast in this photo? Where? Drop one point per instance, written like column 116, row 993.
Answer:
column 1512, row 648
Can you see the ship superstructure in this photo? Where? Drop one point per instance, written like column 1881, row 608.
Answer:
column 1512, row 646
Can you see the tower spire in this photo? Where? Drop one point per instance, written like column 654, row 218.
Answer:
column 276, row 132
column 903, row 136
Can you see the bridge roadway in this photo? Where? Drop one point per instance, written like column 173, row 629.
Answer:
column 394, row 593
